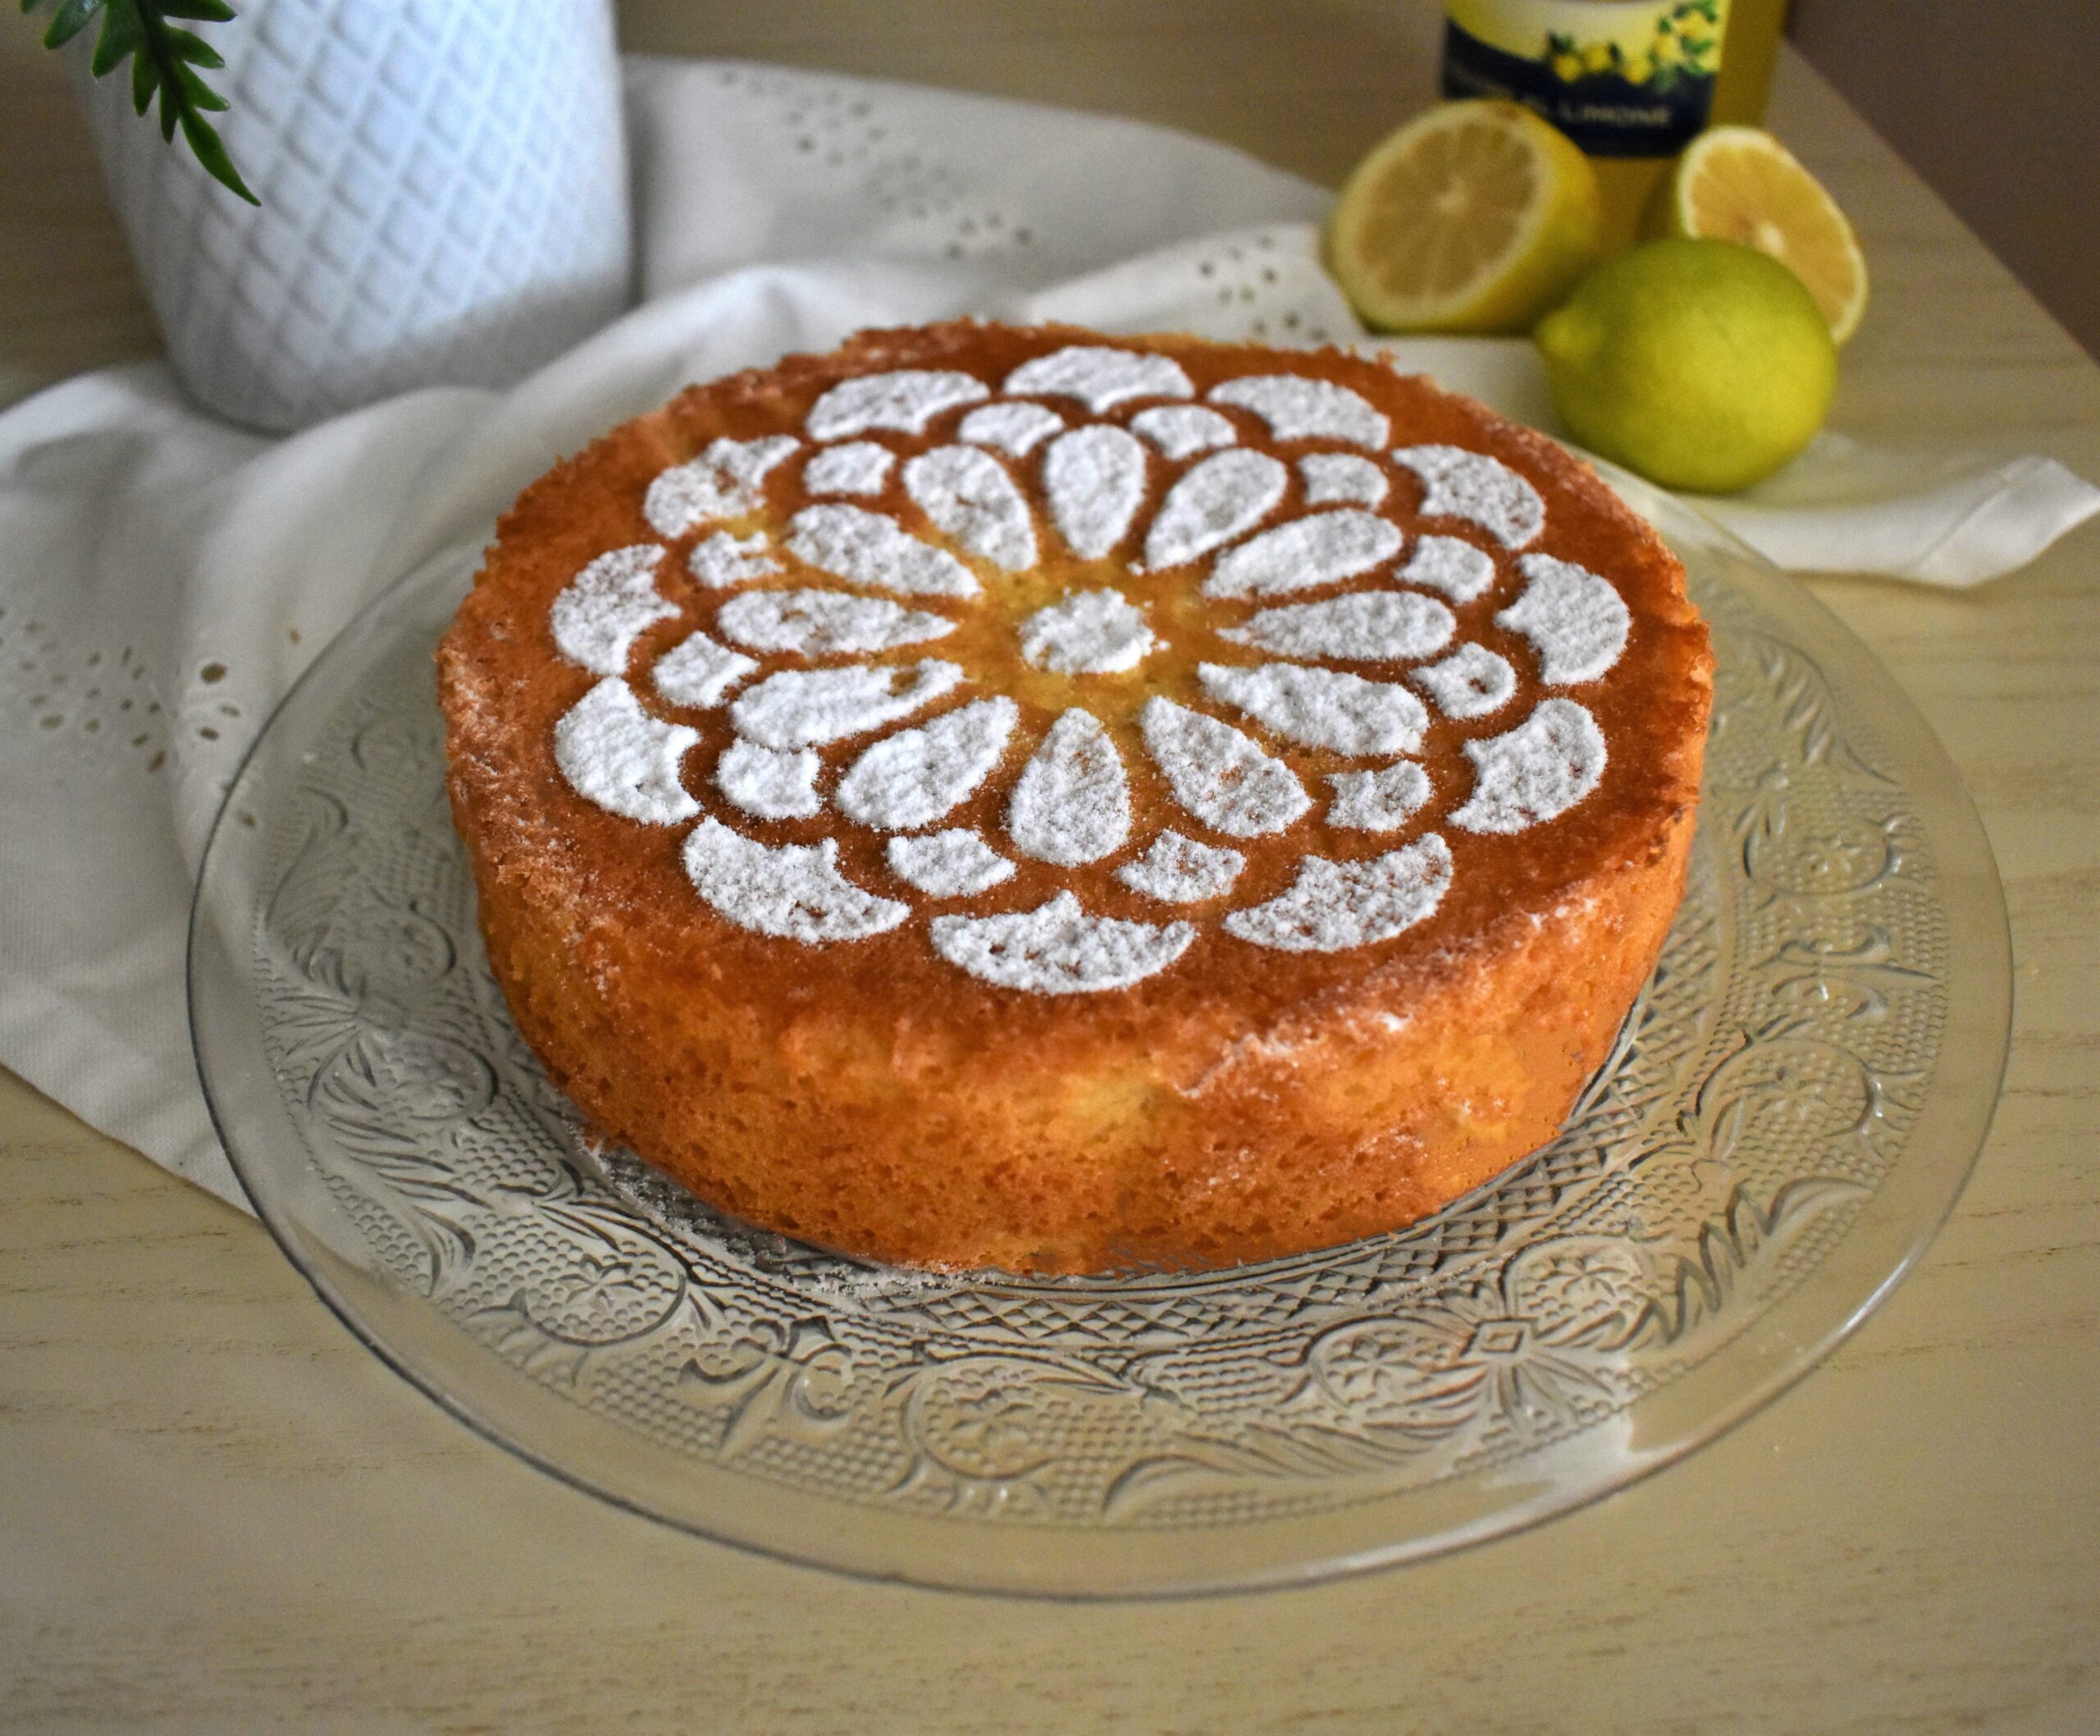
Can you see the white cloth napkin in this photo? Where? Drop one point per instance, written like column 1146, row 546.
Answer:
column 164, row 577
column 1948, row 517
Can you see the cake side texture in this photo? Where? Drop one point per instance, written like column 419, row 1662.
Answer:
column 1247, row 1098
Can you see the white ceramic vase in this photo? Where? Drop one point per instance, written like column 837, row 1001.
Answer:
column 444, row 200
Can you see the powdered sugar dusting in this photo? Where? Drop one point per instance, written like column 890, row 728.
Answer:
column 1367, row 626
column 1018, row 428
column 870, row 549
column 1071, row 803
column 1183, row 430
column 1098, row 376
column 1536, row 772
column 606, row 608
column 1458, row 569
column 1299, row 408
column 697, row 671
column 1095, row 480
column 1471, row 682
column 724, row 561
column 859, row 467
column 793, row 891
column 1321, row 708
column 1087, row 633
column 1320, row 548
column 1179, row 871
column 954, row 864
column 768, row 783
column 1334, row 478
column 911, row 778
column 1460, row 484
column 1335, row 906
column 968, row 496
column 724, row 481
column 905, row 400
column 1575, row 621
column 1381, row 800
column 615, row 754
column 1219, row 775
column 817, row 623
column 1225, row 494
column 1057, row 949
column 806, row 708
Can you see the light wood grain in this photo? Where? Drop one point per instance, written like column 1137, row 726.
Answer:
column 217, row 1513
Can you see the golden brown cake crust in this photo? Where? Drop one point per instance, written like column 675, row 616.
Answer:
column 1244, row 1103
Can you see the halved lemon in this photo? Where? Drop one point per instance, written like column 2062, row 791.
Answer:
column 1740, row 184
column 1474, row 216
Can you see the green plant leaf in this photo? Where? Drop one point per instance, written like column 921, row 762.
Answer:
column 204, row 141
column 145, row 80
column 201, row 97
column 164, row 61
column 186, row 45
column 123, row 34
column 69, row 20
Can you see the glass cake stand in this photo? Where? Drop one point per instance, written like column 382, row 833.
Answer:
column 1790, row 1111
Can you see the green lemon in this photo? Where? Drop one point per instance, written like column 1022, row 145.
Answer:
column 1702, row 364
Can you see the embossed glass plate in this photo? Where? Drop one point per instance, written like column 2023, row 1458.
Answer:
column 1790, row 1112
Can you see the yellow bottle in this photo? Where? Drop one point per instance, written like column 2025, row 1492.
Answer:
column 1630, row 81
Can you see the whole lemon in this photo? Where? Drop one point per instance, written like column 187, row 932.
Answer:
column 1702, row 364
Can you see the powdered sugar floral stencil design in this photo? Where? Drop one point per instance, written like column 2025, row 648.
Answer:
column 944, row 589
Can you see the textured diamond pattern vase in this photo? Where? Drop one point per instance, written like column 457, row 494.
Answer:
column 444, row 201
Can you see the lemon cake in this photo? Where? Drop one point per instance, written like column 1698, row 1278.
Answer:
column 1009, row 797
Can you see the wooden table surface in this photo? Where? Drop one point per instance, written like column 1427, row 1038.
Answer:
column 217, row 1513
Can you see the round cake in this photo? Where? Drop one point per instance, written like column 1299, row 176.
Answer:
column 1011, row 797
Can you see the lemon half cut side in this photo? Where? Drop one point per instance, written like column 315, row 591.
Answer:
column 1474, row 216
column 1740, row 184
